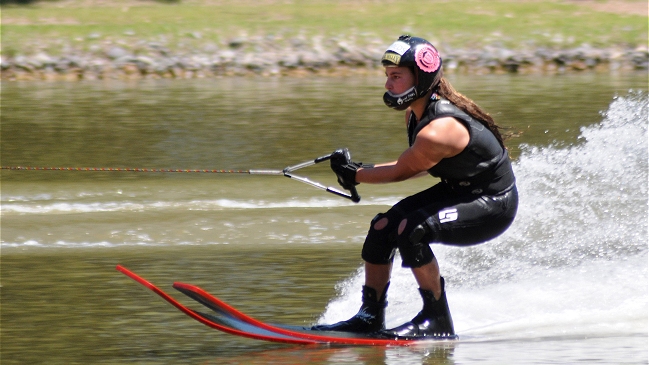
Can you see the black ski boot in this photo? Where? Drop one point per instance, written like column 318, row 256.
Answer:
column 370, row 318
column 434, row 320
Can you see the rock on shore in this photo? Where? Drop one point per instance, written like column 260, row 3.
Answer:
column 262, row 57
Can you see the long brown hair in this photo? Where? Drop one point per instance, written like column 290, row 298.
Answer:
column 446, row 91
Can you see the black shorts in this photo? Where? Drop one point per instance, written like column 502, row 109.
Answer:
column 438, row 215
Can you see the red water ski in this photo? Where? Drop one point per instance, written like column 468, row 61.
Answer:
column 229, row 320
column 223, row 309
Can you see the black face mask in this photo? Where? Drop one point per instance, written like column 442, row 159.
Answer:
column 400, row 101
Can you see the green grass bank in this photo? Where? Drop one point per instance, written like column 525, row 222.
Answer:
column 216, row 37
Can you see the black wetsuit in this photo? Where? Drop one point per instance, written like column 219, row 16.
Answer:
column 475, row 201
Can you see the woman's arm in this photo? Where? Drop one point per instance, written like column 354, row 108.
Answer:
column 442, row 138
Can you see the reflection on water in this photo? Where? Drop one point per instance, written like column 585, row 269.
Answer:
column 277, row 249
column 438, row 354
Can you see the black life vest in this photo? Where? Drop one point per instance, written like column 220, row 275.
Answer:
column 483, row 167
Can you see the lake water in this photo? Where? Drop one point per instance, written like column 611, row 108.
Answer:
column 566, row 284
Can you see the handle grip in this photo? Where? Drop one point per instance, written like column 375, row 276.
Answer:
column 354, row 195
column 322, row 158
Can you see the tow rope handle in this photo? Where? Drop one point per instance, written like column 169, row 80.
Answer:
column 352, row 195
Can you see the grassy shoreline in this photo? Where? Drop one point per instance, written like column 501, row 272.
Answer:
column 460, row 24
column 92, row 28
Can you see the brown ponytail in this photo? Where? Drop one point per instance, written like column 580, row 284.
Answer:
column 446, row 91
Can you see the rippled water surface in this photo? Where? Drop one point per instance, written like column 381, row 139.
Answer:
column 566, row 284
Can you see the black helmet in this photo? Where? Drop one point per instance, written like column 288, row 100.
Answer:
column 425, row 62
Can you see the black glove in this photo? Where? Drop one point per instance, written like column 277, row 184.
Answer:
column 345, row 168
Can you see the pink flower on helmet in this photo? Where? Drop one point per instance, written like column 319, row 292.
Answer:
column 427, row 58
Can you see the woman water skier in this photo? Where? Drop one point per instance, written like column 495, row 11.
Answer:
column 476, row 200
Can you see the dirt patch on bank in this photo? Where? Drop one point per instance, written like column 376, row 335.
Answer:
column 630, row 7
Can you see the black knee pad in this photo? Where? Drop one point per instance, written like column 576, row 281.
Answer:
column 380, row 244
column 414, row 246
